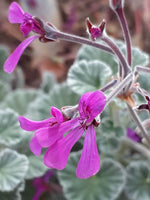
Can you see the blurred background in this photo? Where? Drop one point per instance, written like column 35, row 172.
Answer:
column 27, row 93
column 69, row 16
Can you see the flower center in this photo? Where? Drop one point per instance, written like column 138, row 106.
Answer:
column 95, row 32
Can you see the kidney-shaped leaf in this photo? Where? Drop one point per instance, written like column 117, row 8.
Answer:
column 10, row 131
column 19, row 100
column 107, row 184
column 89, row 53
column 13, row 168
column 60, row 95
column 86, row 76
column 138, row 181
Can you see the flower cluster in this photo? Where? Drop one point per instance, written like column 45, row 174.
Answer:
column 27, row 23
column 51, row 133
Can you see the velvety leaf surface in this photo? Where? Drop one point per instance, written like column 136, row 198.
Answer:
column 36, row 167
column 138, row 181
column 4, row 53
column 19, row 100
column 105, row 185
column 4, row 89
column 48, row 81
column 10, row 131
column 89, row 53
column 61, row 95
column 13, row 168
column 89, row 76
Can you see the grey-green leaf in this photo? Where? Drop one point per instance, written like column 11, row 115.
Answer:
column 19, row 100
column 48, row 81
column 10, row 131
column 36, row 167
column 4, row 89
column 13, row 168
column 138, row 181
column 107, row 184
column 89, row 53
column 138, row 56
column 61, row 95
column 13, row 195
column 86, row 76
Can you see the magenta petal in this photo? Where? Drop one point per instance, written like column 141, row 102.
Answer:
column 91, row 104
column 30, row 125
column 35, row 146
column 57, row 114
column 57, row 155
column 48, row 136
column 16, row 14
column 89, row 163
column 13, row 59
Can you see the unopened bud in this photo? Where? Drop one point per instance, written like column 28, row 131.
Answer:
column 95, row 31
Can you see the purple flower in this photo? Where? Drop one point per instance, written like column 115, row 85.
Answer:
column 42, row 184
column 50, row 133
column 133, row 135
column 94, row 31
column 46, row 131
column 27, row 24
column 90, row 105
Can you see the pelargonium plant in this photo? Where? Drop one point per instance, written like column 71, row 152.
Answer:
column 59, row 133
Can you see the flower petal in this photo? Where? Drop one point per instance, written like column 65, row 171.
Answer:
column 57, row 114
column 30, row 125
column 57, row 155
column 16, row 14
column 13, row 59
column 48, row 136
column 133, row 135
column 35, row 147
column 89, row 163
column 91, row 104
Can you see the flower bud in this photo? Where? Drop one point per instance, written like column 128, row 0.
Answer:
column 95, row 31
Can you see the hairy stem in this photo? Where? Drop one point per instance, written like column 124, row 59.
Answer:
column 109, row 85
column 119, row 88
column 118, row 53
column 120, row 14
column 136, row 146
column 139, row 123
column 142, row 69
column 73, row 38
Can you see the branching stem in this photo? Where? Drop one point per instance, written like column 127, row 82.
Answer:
column 139, row 124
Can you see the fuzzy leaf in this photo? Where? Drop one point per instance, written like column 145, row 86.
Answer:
column 89, row 53
column 13, row 168
column 86, row 76
column 19, row 100
column 4, row 89
column 138, row 181
column 59, row 96
column 138, row 56
column 107, row 184
column 36, row 167
column 10, row 131
column 48, row 81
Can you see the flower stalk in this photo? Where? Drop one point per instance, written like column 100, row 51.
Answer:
column 77, row 39
column 118, row 53
column 139, row 123
column 119, row 88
